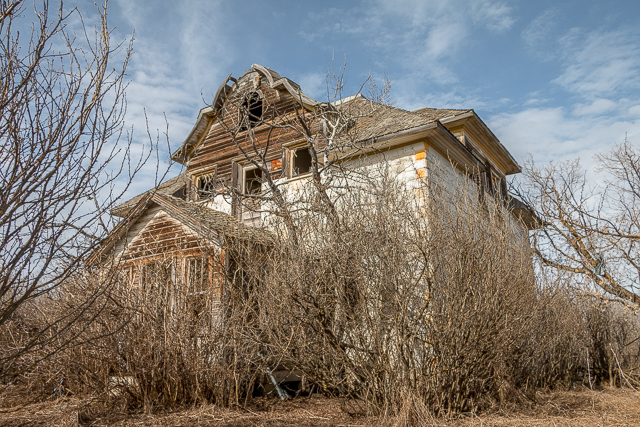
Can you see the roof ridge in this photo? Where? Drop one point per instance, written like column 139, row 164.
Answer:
column 448, row 112
column 172, row 185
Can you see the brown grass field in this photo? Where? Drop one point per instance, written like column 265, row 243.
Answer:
column 606, row 407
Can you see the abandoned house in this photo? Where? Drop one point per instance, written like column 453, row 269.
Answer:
column 262, row 135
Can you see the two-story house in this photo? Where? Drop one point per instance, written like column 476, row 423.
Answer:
column 262, row 134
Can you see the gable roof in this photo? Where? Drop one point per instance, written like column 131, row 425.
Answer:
column 207, row 114
column 212, row 223
column 382, row 122
column 170, row 188
column 214, row 226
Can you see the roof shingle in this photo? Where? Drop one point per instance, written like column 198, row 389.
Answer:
column 438, row 113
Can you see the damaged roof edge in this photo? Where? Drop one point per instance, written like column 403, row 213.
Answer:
column 120, row 228
column 210, row 224
column 171, row 187
column 194, row 136
column 208, row 113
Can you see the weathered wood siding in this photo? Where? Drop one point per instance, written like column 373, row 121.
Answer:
column 157, row 237
column 218, row 149
column 156, row 234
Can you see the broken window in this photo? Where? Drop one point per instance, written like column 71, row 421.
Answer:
column 252, row 107
column 252, row 181
column 301, row 163
column 158, row 274
column 198, row 283
column 206, row 186
column 158, row 279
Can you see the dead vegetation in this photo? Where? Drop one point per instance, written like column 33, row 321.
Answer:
column 399, row 301
column 581, row 407
column 408, row 309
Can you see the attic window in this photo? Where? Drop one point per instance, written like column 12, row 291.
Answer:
column 301, row 161
column 252, row 105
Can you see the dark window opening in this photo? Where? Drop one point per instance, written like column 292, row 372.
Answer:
column 253, row 181
column 301, row 162
column 252, row 106
column 206, row 186
column 198, row 271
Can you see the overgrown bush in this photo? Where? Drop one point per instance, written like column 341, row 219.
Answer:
column 411, row 294
column 419, row 291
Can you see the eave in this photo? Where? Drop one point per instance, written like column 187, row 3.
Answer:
column 477, row 127
column 437, row 135
column 210, row 224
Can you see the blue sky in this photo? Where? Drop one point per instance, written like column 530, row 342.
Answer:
column 553, row 80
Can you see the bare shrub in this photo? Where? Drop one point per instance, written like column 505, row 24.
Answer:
column 63, row 165
column 421, row 300
column 419, row 290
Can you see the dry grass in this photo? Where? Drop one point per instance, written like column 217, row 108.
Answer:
column 608, row 407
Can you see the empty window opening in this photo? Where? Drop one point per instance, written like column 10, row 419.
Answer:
column 252, row 106
column 253, row 181
column 301, row 161
column 206, row 185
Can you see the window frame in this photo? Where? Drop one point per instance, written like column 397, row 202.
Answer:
column 205, row 274
column 213, row 173
column 290, row 155
column 245, row 170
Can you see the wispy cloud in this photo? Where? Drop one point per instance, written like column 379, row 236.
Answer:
column 597, row 107
column 494, row 15
column 423, row 35
column 539, row 34
column 173, row 67
column 600, row 62
column 313, row 84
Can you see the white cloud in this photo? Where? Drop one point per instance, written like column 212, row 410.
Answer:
column 443, row 40
column 423, row 35
column 174, row 62
column 554, row 134
column 495, row 16
column 313, row 85
column 595, row 108
column 535, row 101
column 600, row 62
